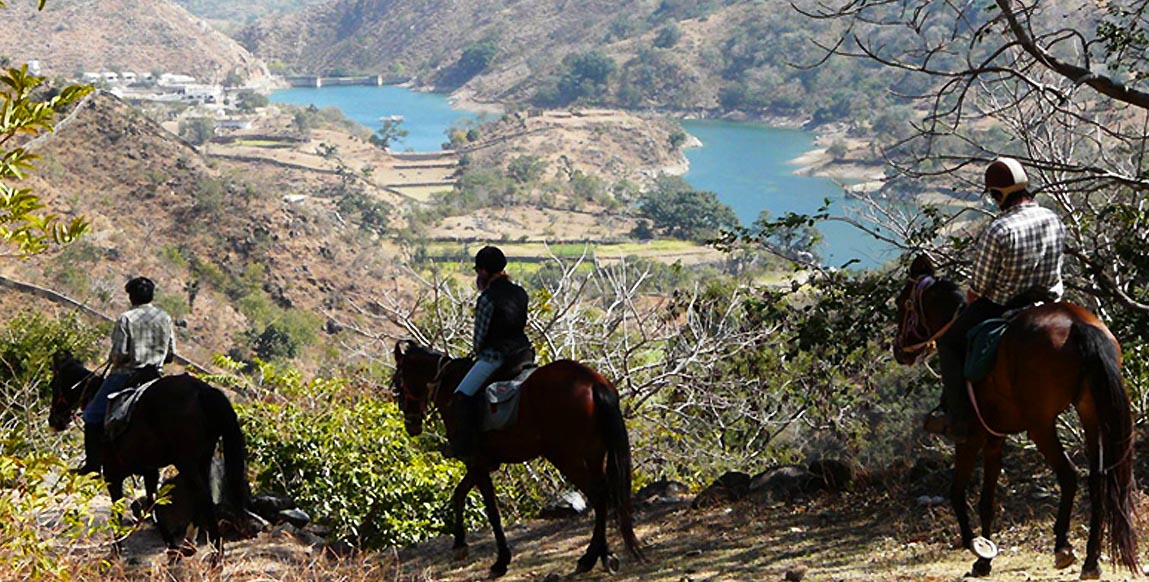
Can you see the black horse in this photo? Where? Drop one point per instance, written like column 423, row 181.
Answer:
column 177, row 421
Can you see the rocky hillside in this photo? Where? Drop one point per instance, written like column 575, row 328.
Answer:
column 684, row 56
column 232, row 245
column 70, row 36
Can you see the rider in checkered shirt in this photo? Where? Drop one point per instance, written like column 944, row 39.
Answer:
column 1017, row 262
column 142, row 342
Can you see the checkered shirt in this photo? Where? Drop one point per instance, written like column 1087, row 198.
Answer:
column 484, row 312
column 1019, row 251
column 143, row 334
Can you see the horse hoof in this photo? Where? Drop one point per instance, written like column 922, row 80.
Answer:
column 983, row 548
column 1064, row 558
column 460, row 553
column 1091, row 574
column 610, row 562
column 497, row 571
column 584, row 566
column 981, row 568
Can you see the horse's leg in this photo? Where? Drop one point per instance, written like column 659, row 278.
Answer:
column 116, row 493
column 204, row 506
column 987, row 504
column 1091, row 569
column 1054, row 453
column 151, row 486
column 458, row 502
column 965, row 457
column 582, row 473
column 491, row 503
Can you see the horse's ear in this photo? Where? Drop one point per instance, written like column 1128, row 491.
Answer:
column 399, row 350
column 922, row 266
column 61, row 357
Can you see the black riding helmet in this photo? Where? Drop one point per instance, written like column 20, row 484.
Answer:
column 140, row 290
column 490, row 259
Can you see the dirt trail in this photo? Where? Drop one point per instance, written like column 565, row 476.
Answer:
column 847, row 538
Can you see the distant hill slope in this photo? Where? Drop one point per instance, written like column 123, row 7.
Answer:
column 70, row 36
column 721, row 56
column 159, row 208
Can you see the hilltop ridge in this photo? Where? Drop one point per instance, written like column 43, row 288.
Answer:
column 69, row 37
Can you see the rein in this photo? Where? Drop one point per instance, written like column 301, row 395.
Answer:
column 87, row 394
column 913, row 325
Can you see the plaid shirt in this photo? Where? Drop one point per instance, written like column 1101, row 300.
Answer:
column 1019, row 251
column 484, row 311
column 144, row 335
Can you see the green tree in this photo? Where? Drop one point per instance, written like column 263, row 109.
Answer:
column 250, row 100
column 676, row 209
column 392, row 130
column 474, row 60
column 197, row 130
column 668, row 36
column 583, row 76
column 25, row 227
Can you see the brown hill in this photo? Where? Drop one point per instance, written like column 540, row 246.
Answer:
column 417, row 38
column 71, row 36
column 158, row 207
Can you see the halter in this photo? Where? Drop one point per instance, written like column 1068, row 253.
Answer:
column 420, row 405
column 913, row 325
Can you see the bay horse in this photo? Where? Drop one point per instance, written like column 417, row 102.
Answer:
column 177, row 421
column 1051, row 357
column 568, row 414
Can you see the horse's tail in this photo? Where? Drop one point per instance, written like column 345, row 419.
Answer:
column 613, row 429
column 218, row 409
column 1115, row 457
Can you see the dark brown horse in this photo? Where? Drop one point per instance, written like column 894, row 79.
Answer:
column 568, row 414
column 1051, row 357
column 178, row 421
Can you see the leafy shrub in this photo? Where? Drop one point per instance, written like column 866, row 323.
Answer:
column 44, row 509
column 28, row 341
column 343, row 455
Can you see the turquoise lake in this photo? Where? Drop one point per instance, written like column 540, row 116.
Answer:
column 746, row 165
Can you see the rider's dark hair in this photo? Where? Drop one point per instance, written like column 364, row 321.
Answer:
column 490, row 259
column 140, row 290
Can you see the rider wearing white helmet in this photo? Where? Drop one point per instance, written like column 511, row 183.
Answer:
column 1017, row 261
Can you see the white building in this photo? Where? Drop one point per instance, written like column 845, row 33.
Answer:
column 170, row 80
column 202, row 94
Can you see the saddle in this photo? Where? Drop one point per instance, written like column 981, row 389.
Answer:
column 983, row 339
column 122, row 404
column 502, row 401
column 501, row 397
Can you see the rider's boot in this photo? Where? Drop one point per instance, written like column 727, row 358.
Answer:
column 93, row 449
column 467, row 414
column 954, row 394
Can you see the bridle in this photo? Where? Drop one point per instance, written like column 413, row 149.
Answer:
column 63, row 397
column 913, row 327
column 415, row 408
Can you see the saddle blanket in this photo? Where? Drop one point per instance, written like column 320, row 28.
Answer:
column 502, row 408
column 121, row 405
column 981, row 344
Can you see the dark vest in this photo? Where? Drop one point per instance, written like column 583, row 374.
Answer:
column 509, row 320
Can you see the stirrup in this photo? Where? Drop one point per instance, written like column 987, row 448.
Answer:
column 935, row 422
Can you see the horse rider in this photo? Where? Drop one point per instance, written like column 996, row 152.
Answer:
column 1017, row 262
column 142, row 342
column 499, row 339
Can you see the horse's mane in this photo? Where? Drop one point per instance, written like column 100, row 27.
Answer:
column 414, row 349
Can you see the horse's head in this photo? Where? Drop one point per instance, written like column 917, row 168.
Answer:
column 925, row 305
column 69, row 379
column 415, row 381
